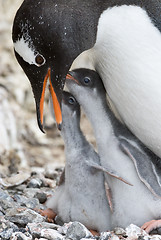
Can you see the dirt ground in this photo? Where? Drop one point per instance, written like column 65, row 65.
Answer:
column 23, row 147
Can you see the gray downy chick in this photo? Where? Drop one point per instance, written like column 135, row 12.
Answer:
column 119, row 149
column 82, row 196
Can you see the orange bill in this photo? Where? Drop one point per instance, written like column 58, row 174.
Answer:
column 42, row 98
column 69, row 76
column 56, row 105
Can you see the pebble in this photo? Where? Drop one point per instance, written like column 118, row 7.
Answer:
column 46, row 230
column 76, row 231
column 41, row 196
column 6, row 201
column 50, row 173
column 14, row 180
column 134, row 231
column 6, row 234
column 21, row 236
column 51, row 234
column 23, row 216
column 119, row 231
column 27, row 202
column 34, row 183
column 114, row 237
column 105, row 235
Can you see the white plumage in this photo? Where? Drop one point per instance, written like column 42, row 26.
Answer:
column 127, row 56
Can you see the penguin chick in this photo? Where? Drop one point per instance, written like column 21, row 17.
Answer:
column 82, row 196
column 120, row 149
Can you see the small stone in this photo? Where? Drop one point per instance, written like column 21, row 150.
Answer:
column 156, row 231
column 119, row 231
column 30, row 192
column 105, row 236
column 5, row 200
column 34, row 183
column 77, row 231
column 8, row 203
column 46, row 230
column 41, row 197
column 28, row 202
column 114, row 237
column 6, row 234
column 32, row 203
column 154, row 237
column 50, row 173
column 23, row 216
column 20, row 187
column 144, row 238
column 4, row 195
column 14, row 180
column 21, row 236
column 41, row 239
column 134, row 231
column 5, row 224
column 58, row 220
column 1, row 213
column 32, row 227
column 20, row 199
column 51, row 234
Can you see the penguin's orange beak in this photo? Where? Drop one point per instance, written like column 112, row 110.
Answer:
column 70, row 77
column 56, row 105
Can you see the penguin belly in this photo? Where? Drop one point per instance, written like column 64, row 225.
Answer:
column 128, row 58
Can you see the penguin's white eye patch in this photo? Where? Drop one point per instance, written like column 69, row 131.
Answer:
column 28, row 52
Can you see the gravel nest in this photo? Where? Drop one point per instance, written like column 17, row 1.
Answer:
column 23, row 196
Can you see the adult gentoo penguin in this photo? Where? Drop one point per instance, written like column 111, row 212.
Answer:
column 122, row 151
column 49, row 35
column 127, row 56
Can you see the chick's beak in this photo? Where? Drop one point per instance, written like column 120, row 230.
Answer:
column 56, row 104
column 70, row 76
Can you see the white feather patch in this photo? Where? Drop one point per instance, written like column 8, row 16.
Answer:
column 23, row 49
column 28, row 53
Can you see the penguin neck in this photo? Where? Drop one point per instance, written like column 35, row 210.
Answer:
column 72, row 135
column 102, row 120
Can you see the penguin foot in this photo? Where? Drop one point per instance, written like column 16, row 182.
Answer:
column 48, row 213
column 94, row 233
column 151, row 225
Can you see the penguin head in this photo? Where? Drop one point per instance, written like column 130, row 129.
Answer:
column 45, row 48
column 87, row 80
column 70, row 108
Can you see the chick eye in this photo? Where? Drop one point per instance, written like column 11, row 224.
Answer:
column 39, row 59
column 71, row 100
column 87, row 80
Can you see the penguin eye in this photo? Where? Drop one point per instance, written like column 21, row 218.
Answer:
column 71, row 100
column 39, row 59
column 87, row 80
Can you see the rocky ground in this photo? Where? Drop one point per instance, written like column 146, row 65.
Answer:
column 22, row 198
column 31, row 162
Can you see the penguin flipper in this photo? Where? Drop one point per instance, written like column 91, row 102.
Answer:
column 144, row 167
column 109, row 171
